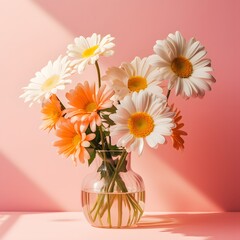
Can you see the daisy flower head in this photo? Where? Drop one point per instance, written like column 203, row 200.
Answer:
column 88, row 50
column 184, row 65
column 48, row 81
column 134, row 77
column 141, row 117
column 72, row 141
column 86, row 102
column 177, row 132
column 52, row 113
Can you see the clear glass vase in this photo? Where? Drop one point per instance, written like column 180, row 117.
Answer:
column 113, row 196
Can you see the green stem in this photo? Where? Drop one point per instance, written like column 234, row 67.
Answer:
column 129, row 208
column 62, row 106
column 103, row 144
column 120, row 210
column 168, row 93
column 102, row 139
column 109, row 211
column 99, row 74
column 100, row 204
column 118, row 167
column 99, row 199
column 102, row 207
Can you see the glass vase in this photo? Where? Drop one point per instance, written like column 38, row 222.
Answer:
column 113, row 196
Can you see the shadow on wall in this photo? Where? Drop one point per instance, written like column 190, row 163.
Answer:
column 215, row 168
column 69, row 12
column 17, row 190
column 75, row 15
column 82, row 17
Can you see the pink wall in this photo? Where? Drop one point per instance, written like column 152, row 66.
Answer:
column 204, row 177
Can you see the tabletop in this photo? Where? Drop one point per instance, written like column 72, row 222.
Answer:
column 153, row 226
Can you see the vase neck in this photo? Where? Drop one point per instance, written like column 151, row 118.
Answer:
column 103, row 157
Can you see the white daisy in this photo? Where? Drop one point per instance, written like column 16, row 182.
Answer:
column 184, row 65
column 133, row 77
column 87, row 50
column 141, row 117
column 51, row 78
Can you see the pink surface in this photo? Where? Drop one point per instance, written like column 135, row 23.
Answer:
column 72, row 225
column 204, row 177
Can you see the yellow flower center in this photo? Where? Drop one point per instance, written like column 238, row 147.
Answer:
column 90, row 107
column 137, row 83
column 56, row 114
column 182, row 67
column 89, row 52
column 140, row 124
column 50, row 83
column 76, row 140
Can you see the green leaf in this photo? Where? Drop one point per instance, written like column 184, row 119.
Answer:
column 97, row 139
column 92, row 153
column 107, row 133
column 111, row 109
column 114, row 147
column 123, row 167
column 102, row 170
column 106, row 170
column 115, row 150
column 95, row 142
column 107, row 119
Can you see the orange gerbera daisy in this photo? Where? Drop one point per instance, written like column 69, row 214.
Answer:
column 52, row 113
column 177, row 133
column 72, row 141
column 87, row 103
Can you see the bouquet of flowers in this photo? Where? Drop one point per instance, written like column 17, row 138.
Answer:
column 128, row 103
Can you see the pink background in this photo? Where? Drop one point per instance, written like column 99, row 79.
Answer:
column 203, row 177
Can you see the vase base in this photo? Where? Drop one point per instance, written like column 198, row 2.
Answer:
column 113, row 210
